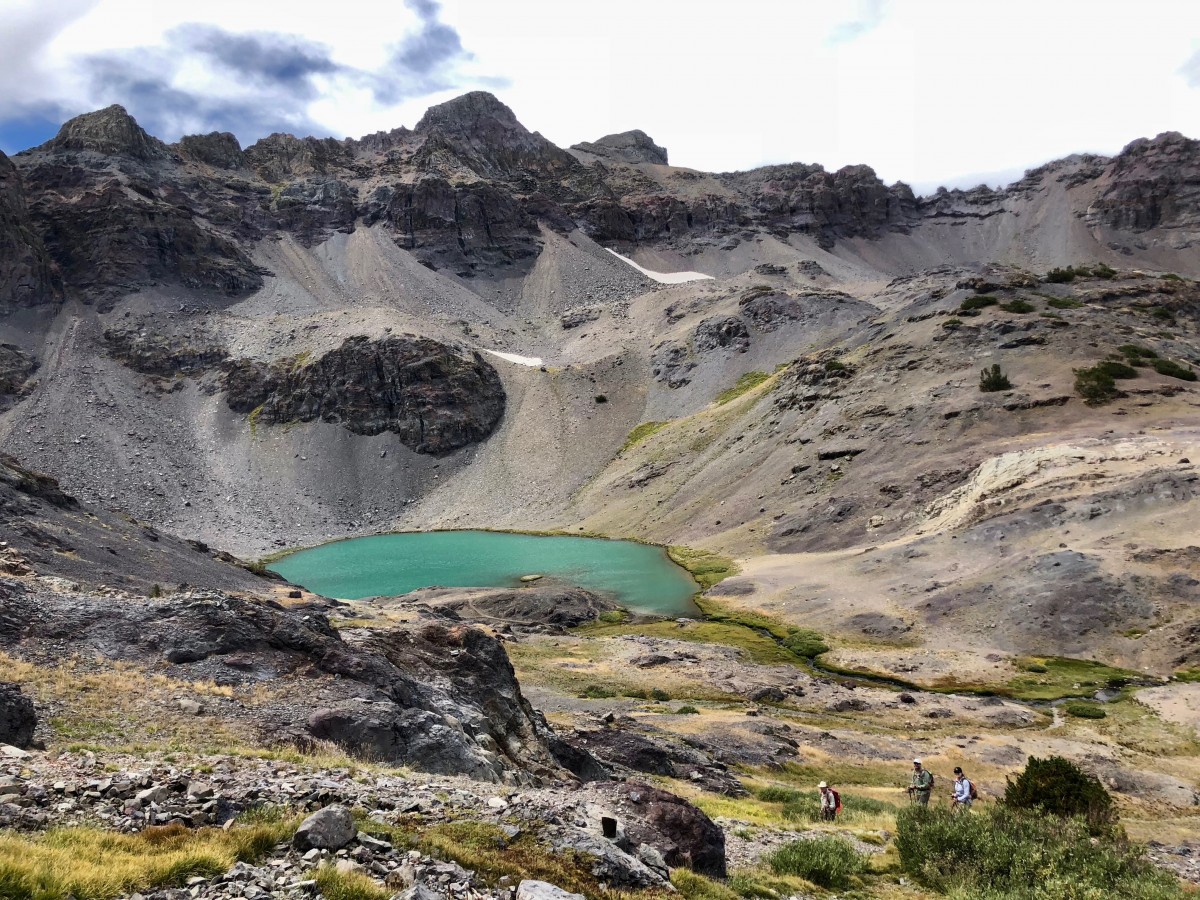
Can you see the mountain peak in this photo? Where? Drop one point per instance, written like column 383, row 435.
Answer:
column 111, row 131
column 629, row 146
column 469, row 112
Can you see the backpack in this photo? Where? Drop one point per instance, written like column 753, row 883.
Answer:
column 971, row 787
column 932, row 779
column 837, row 800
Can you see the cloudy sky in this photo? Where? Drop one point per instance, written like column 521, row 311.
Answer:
column 925, row 91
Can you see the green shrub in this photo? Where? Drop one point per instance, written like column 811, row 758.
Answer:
column 1173, row 369
column 635, row 694
column 1056, row 786
column 775, row 794
column 1085, row 711
column 1037, row 668
column 1116, row 369
column 1064, row 302
column 613, row 616
column 1136, row 355
column 993, row 379
column 1171, row 276
column 835, row 365
column 979, row 301
column 999, row 853
column 601, row 398
column 805, row 643
column 1018, row 306
column 1060, row 276
column 1095, row 386
column 952, row 323
column 1162, row 313
column 687, row 711
column 660, row 695
column 597, row 692
column 829, row 862
column 1102, row 270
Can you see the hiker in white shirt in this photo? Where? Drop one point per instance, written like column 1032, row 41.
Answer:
column 963, row 790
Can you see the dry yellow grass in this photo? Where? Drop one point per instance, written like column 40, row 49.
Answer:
column 90, row 864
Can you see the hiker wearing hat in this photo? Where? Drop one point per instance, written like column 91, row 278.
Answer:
column 831, row 802
column 964, row 791
column 922, row 784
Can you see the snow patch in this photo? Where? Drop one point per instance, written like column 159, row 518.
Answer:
column 663, row 277
column 534, row 361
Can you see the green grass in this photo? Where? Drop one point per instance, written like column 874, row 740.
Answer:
column 1086, row 711
column 91, row 864
column 641, row 432
column 697, row 887
column 1061, row 677
column 706, row 567
column 754, row 647
column 746, row 383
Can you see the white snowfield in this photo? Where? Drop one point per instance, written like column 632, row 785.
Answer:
column 663, row 277
column 534, row 361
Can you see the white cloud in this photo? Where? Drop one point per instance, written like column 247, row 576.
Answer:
column 926, row 91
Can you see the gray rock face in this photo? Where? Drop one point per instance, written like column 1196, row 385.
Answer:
column 331, row 828
column 629, row 146
column 17, row 716
column 16, row 367
column 1150, row 184
column 27, row 276
column 434, row 398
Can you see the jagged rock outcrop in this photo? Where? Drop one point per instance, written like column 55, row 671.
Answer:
column 683, row 834
column 1152, row 184
column 436, row 698
column 218, row 149
column 16, row 367
column 110, row 132
column 628, row 147
column 26, row 272
column 540, row 605
column 17, row 716
column 162, row 355
column 434, row 398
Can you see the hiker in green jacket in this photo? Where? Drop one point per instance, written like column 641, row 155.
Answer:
column 922, row 784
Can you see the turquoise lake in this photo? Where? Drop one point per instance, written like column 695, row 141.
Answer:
column 638, row 576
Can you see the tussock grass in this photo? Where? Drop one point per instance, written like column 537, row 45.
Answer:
column 90, row 864
column 335, row 885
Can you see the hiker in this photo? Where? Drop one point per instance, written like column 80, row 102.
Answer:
column 831, row 802
column 964, row 791
column 922, row 784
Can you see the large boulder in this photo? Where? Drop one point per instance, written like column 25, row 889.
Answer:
column 680, row 832
column 331, row 828
column 543, row 890
column 17, row 716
